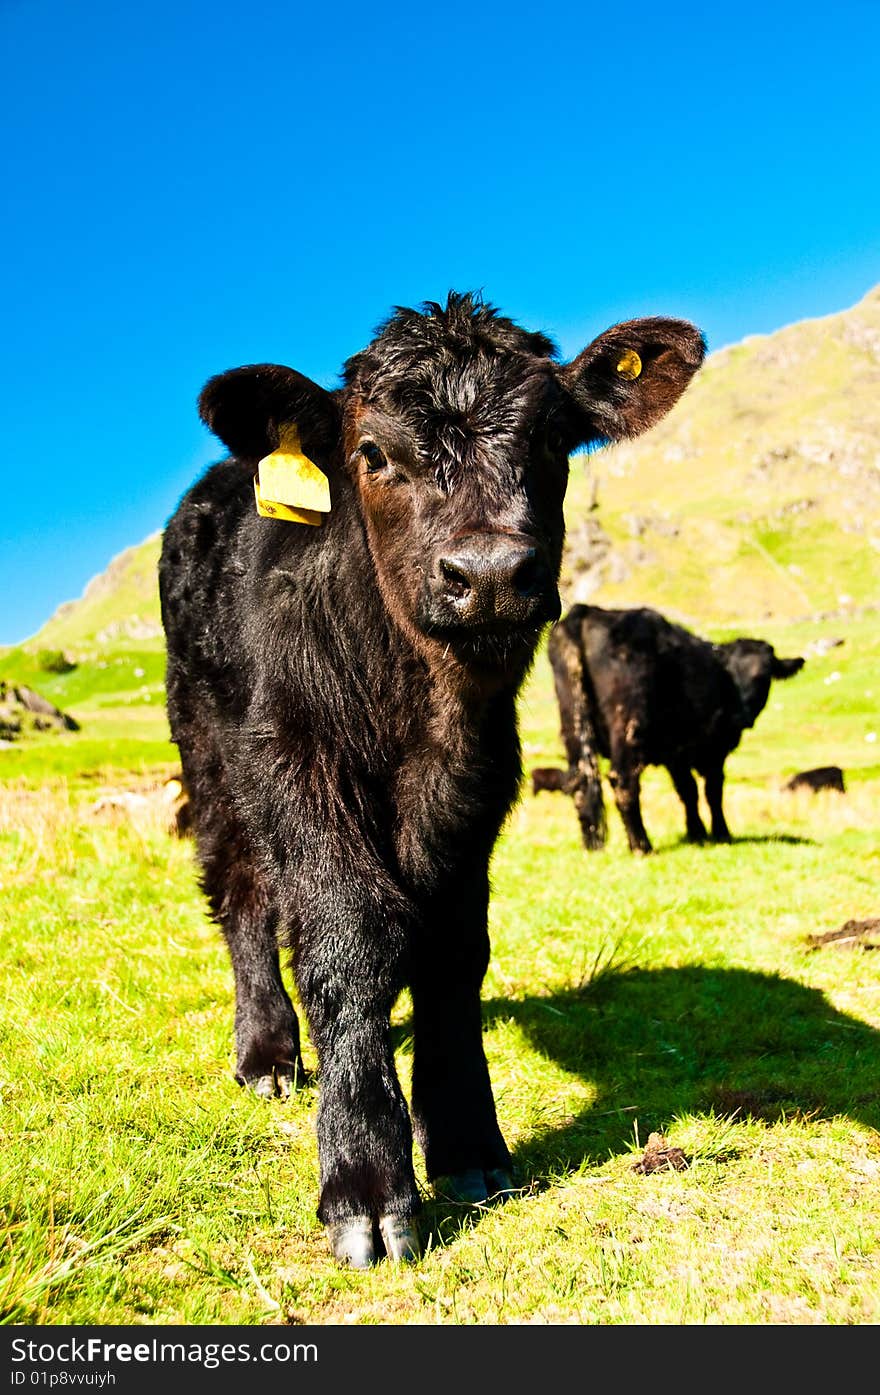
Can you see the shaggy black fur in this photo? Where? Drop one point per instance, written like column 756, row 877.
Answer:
column 343, row 698
column 639, row 690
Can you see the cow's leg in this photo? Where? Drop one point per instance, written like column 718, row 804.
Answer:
column 625, row 776
column 267, row 1038
column 713, row 782
column 686, row 789
column 466, row 1157
column 582, row 779
column 349, row 961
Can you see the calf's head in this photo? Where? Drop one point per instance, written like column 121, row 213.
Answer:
column 454, row 427
column 753, row 664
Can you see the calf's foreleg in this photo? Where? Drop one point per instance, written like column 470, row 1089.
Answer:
column 466, row 1157
column 349, row 963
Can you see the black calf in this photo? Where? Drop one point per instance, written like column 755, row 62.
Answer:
column 342, row 674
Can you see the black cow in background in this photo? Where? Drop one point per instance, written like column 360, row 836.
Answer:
column 342, row 678
column 639, row 690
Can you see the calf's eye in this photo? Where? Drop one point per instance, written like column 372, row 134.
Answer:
column 373, row 456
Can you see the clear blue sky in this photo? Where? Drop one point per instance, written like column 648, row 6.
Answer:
column 190, row 186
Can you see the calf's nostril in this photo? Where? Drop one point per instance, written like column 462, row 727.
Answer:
column 456, row 578
column 529, row 576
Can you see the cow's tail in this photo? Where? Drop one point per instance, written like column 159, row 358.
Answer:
column 574, row 694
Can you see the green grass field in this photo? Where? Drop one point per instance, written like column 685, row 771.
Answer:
column 674, row 994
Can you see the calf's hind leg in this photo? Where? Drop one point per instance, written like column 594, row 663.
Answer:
column 267, row 1039
column 582, row 780
column 625, row 778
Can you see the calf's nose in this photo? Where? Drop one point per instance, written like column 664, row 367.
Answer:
column 486, row 577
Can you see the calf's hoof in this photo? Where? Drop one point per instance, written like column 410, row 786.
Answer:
column 360, row 1243
column 400, row 1238
column 279, row 1083
column 352, row 1242
column 475, row 1186
column 593, row 839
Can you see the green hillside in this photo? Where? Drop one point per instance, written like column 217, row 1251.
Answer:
column 113, row 638
column 757, row 498
column 119, row 606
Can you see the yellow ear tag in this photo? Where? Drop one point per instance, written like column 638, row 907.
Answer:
column 289, row 485
column 630, row 366
column 271, row 508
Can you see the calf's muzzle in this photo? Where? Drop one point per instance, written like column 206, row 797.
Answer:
column 486, row 580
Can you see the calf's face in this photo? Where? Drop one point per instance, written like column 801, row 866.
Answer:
column 461, row 485
column 454, row 427
column 753, row 664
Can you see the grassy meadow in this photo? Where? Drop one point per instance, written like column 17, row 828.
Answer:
column 676, row 994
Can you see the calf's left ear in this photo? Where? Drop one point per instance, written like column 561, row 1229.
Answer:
column 629, row 377
column 785, row 668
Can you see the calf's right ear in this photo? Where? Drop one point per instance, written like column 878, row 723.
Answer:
column 248, row 407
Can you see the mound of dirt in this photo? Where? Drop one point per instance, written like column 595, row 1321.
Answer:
column 659, row 1157
column 853, row 934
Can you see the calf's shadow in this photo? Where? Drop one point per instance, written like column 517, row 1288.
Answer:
column 655, row 1044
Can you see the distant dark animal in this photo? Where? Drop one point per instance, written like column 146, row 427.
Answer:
column 822, row 777
column 639, row 690
column 552, row 778
column 343, row 699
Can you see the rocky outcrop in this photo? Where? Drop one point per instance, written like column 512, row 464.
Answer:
column 23, row 710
